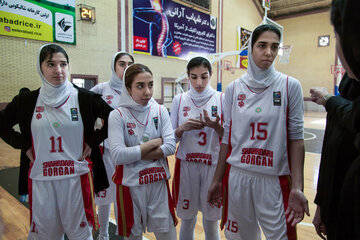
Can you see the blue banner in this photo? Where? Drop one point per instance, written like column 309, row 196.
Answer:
column 168, row 29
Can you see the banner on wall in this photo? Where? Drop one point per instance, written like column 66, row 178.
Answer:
column 45, row 20
column 242, row 36
column 168, row 29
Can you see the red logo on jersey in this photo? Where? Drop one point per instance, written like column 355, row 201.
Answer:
column 186, row 108
column 108, row 97
column 39, row 109
column 83, row 224
column 33, row 229
column 185, row 114
column 130, row 125
column 131, row 132
column 241, row 103
column 109, row 102
column 241, row 97
column 38, row 116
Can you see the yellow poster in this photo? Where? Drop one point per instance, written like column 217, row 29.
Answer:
column 45, row 20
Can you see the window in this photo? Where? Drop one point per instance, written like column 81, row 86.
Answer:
column 84, row 81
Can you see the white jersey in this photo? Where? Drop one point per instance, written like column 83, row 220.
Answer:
column 110, row 96
column 201, row 146
column 58, row 140
column 141, row 172
column 259, row 128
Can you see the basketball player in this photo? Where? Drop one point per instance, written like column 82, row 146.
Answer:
column 264, row 148
column 195, row 116
column 110, row 92
column 140, row 139
column 57, row 133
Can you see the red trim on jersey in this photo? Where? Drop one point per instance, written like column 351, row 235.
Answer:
column 147, row 118
column 256, row 92
column 171, row 204
column 229, row 141
column 221, row 115
column 63, row 103
column 225, row 200
column 118, row 175
column 204, row 103
column 285, row 182
column 119, row 111
column 176, row 182
column 87, row 189
column 125, row 209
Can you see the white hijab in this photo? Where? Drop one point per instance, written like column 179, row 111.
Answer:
column 53, row 95
column 256, row 77
column 115, row 82
column 127, row 101
column 208, row 91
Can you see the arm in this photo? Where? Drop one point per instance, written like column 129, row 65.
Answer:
column 121, row 153
column 215, row 189
column 298, row 203
column 167, row 134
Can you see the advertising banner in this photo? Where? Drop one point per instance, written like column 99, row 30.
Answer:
column 168, row 29
column 45, row 20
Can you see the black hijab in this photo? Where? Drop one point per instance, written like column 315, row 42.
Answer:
column 345, row 16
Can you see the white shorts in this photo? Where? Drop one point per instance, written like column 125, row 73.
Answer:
column 62, row 206
column 190, row 190
column 107, row 196
column 147, row 207
column 254, row 199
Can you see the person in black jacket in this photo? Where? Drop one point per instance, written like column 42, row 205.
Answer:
column 57, row 133
column 338, row 191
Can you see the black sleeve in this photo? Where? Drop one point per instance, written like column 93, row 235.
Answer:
column 101, row 110
column 9, row 117
column 345, row 111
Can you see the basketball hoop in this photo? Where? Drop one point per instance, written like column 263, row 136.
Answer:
column 284, row 53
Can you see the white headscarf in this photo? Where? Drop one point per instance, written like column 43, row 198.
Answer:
column 208, row 91
column 53, row 95
column 256, row 77
column 115, row 82
column 127, row 101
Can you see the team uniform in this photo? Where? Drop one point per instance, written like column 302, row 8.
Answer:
column 142, row 195
column 56, row 158
column 111, row 97
column 257, row 177
column 196, row 157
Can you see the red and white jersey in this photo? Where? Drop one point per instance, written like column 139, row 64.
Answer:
column 141, row 172
column 258, row 131
column 58, row 140
column 110, row 96
column 201, row 146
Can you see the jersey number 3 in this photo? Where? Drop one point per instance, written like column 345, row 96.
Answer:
column 202, row 135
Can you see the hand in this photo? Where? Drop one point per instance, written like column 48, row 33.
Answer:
column 86, row 152
column 298, row 204
column 319, row 225
column 317, row 94
column 215, row 195
column 208, row 122
column 192, row 124
column 30, row 154
column 157, row 142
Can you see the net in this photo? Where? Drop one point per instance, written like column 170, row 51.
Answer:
column 284, row 54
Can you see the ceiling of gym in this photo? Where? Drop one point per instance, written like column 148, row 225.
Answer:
column 287, row 8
